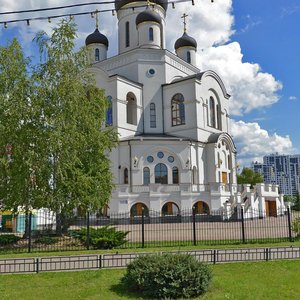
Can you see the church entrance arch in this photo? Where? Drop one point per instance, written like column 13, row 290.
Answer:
column 170, row 209
column 137, row 210
column 201, row 207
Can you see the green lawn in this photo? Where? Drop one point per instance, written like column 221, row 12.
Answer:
column 262, row 280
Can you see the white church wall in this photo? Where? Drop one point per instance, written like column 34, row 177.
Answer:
column 187, row 89
column 123, row 88
column 129, row 15
column 143, row 35
column 151, row 75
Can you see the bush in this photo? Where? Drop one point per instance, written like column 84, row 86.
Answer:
column 106, row 237
column 8, row 239
column 167, row 276
column 296, row 226
column 43, row 232
column 46, row 240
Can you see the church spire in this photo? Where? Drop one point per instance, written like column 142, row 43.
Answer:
column 184, row 16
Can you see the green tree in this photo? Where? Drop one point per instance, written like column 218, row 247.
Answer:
column 296, row 203
column 20, row 132
column 73, row 113
column 52, row 118
column 248, row 176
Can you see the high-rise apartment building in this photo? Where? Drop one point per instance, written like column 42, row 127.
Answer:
column 283, row 170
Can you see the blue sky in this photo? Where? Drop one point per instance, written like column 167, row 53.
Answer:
column 268, row 32
column 253, row 44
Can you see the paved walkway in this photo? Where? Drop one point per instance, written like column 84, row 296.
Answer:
column 95, row 261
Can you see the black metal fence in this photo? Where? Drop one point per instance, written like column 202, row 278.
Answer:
column 105, row 261
column 40, row 232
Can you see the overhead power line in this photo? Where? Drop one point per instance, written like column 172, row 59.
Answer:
column 50, row 17
column 55, row 8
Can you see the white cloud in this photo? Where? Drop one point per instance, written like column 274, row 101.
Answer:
column 253, row 142
column 209, row 23
column 293, row 98
column 249, row 86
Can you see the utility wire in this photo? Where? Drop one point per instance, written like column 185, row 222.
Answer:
column 77, row 5
column 55, row 8
column 49, row 18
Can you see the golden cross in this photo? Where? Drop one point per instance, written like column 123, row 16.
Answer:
column 97, row 20
column 184, row 21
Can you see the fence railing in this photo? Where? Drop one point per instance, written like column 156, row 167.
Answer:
column 106, row 261
column 151, row 229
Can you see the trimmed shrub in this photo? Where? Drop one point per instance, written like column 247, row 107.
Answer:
column 106, row 237
column 296, row 226
column 167, row 276
column 8, row 239
column 46, row 240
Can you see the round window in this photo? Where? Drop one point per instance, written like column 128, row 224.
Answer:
column 160, row 154
column 171, row 159
column 150, row 159
column 151, row 71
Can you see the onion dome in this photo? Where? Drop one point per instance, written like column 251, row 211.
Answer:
column 96, row 38
column 147, row 16
column 185, row 41
column 120, row 3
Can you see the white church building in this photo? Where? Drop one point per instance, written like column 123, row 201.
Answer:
column 175, row 151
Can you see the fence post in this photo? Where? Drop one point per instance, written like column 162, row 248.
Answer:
column 37, row 265
column 143, row 228
column 267, row 254
column 194, row 226
column 29, row 216
column 100, row 261
column 88, row 230
column 243, row 225
column 289, row 224
column 215, row 257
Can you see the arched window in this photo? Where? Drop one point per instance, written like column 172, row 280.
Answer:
column 152, row 115
column 97, row 54
column 195, row 179
column 131, row 109
column 170, row 209
column 177, row 107
column 161, row 174
column 151, row 34
column 137, row 210
column 175, row 175
column 201, row 207
column 146, row 175
column 125, row 176
column 219, row 117
column 212, row 112
column 127, row 37
column 109, row 112
column 229, row 162
column 188, row 57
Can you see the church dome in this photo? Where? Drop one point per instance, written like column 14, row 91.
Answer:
column 147, row 16
column 185, row 41
column 120, row 3
column 96, row 38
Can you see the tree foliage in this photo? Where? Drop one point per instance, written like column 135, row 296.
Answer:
column 20, row 132
column 248, row 176
column 53, row 119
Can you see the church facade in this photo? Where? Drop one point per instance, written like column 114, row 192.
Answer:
column 175, row 151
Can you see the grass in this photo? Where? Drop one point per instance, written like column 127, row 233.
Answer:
column 262, row 280
column 154, row 249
